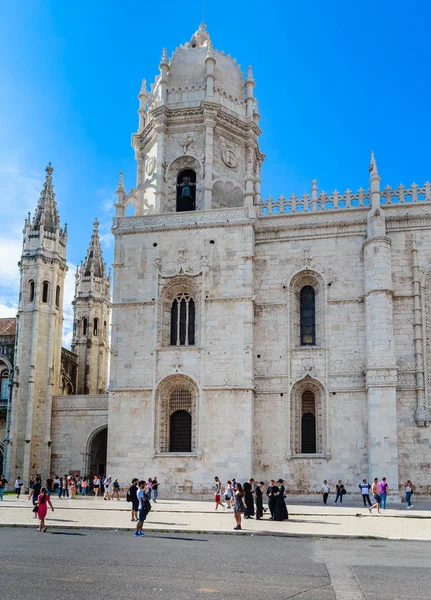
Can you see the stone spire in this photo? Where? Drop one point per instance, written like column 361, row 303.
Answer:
column 46, row 215
column 93, row 263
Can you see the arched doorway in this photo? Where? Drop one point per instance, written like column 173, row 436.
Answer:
column 98, row 444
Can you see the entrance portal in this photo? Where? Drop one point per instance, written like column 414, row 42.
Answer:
column 98, row 448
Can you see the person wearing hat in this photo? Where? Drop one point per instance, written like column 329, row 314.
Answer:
column 280, row 512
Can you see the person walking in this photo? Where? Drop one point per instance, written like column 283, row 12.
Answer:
column 238, row 507
column 365, row 492
column 65, row 486
column 3, row 484
column 375, row 490
column 34, row 493
column 149, row 487
column 18, row 485
column 142, row 509
column 217, row 495
column 56, row 484
column 155, row 489
column 84, row 486
column 259, row 500
column 248, row 498
column 107, row 486
column 96, row 486
column 383, row 487
column 409, row 487
column 341, row 490
column 228, row 494
column 132, row 497
column 325, row 491
column 271, row 498
column 115, row 489
column 42, row 501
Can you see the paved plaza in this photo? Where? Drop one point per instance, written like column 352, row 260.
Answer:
column 65, row 565
column 197, row 516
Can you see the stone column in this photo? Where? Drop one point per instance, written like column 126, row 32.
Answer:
column 381, row 370
column 209, row 121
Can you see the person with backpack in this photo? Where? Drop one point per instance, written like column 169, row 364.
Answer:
column 18, row 485
column 132, row 497
column 341, row 491
column 143, row 508
column 155, row 489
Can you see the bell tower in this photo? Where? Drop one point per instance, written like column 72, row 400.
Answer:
column 91, row 319
column 39, row 334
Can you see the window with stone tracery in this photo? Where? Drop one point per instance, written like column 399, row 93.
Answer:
column 307, row 312
column 183, row 321
column 176, row 416
column 307, row 309
column 31, row 290
column 308, row 418
column 45, row 292
column 4, row 390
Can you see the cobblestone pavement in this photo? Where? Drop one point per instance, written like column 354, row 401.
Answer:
column 197, row 516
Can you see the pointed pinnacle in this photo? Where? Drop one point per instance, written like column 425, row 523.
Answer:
column 120, row 185
column 96, row 224
column 164, row 58
column 373, row 165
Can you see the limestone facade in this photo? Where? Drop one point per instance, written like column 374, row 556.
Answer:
column 285, row 337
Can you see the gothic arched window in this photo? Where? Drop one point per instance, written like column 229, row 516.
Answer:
column 186, row 190
column 45, row 292
column 31, row 290
column 307, row 308
column 84, row 326
column 183, row 321
column 96, row 327
column 57, row 297
column 4, row 390
column 308, row 423
column 104, row 330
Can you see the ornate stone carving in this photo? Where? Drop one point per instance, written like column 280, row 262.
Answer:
column 182, row 220
column 88, row 402
column 304, row 385
column 150, row 165
column 229, row 158
column 381, row 377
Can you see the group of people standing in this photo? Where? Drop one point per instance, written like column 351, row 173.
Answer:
column 139, row 494
column 379, row 490
column 247, row 500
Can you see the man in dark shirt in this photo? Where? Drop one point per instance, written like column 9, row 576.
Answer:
column 133, row 498
column 3, row 484
column 35, row 490
column 49, row 484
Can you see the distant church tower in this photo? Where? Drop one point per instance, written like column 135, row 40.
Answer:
column 91, row 319
column 39, row 334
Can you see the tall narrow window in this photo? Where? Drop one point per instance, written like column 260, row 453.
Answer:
column 45, row 291
column 104, row 330
column 308, row 423
column 96, row 327
column 84, row 326
column 183, row 321
column 57, row 297
column 307, row 316
column 180, row 420
column 4, row 391
column 31, row 291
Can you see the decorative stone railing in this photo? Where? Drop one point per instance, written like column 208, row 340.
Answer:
column 319, row 202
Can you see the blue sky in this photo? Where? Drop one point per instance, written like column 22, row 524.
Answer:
column 334, row 80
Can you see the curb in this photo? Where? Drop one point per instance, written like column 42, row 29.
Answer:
column 243, row 532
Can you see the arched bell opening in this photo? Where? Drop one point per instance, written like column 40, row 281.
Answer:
column 186, row 190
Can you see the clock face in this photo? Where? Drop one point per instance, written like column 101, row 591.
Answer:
column 151, row 165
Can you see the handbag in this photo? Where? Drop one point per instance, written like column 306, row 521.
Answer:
column 35, row 508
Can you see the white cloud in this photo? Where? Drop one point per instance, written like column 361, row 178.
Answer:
column 8, row 310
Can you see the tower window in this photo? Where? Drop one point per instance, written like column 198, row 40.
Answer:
column 84, row 326
column 31, row 291
column 104, row 330
column 186, row 190
column 57, row 297
column 307, row 316
column 183, row 321
column 4, row 392
column 308, row 423
column 96, row 327
column 45, row 292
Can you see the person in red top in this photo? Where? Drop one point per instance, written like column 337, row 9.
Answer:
column 42, row 508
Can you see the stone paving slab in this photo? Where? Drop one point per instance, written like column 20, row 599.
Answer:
column 318, row 521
